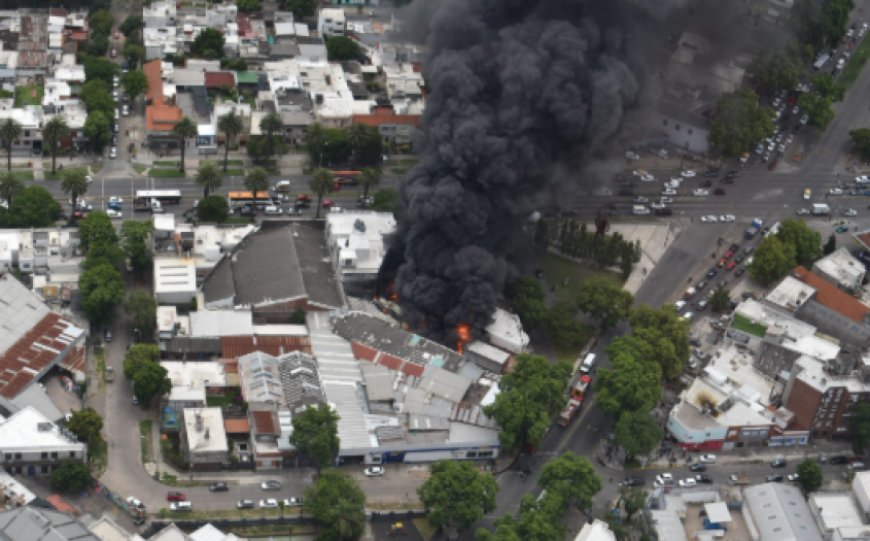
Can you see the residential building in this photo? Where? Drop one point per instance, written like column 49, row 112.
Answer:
column 160, row 14
column 780, row 513
column 395, row 129
column 597, row 530
column 488, row 357
column 203, row 438
column 506, row 332
column 12, row 493
column 289, row 381
column 841, row 269
column 835, row 513
column 331, row 22
column 161, row 113
column 31, row 444
column 357, row 244
column 834, row 311
column 861, row 493
column 160, row 41
column 37, row 524
column 174, row 280
column 193, row 381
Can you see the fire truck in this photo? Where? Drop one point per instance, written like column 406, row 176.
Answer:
column 578, row 390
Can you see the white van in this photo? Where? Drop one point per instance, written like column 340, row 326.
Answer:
column 588, row 363
column 181, row 506
column 272, row 209
column 282, row 186
column 640, row 210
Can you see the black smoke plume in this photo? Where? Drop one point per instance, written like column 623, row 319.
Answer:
column 524, row 98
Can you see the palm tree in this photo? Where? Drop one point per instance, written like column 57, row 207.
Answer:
column 10, row 185
column 257, row 180
column 270, row 125
column 369, row 178
column 184, row 129
column 315, row 141
column 231, row 125
column 321, row 183
column 356, row 136
column 208, row 178
column 54, row 131
column 75, row 184
column 10, row 130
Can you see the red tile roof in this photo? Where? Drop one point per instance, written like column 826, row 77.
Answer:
column 237, row 426
column 160, row 116
column 218, row 79
column 154, row 73
column 237, row 346
column 264, row 422
column 382, row 115
column 34, row 353
column 245, row 28
column 833, row 297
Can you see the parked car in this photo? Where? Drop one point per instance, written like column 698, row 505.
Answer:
column 114, row 213
column 269, row 503
column 707, row 459
column 175, row 496
column 272, row 210
column 704, row 478
column 778, row 463
column 271, row 484
column 633, row 482
column 688, row 483
column 218, row 487
column 664, row 479
column 135, row 502
column 181, row 506
column 292, row 502
column 793, row 477
column 374, row 471
column 698, row 467
column 774, row 478
column 838, row 460
column 245, row 504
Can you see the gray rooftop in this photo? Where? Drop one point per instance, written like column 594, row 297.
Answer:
column 378, row 334
column 32, row 524
column 378, row 383
column 781, row 513
column 20, row 311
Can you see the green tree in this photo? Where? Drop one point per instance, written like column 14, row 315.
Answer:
column 137, row 355
column 457, row 495
column 739, row 123
column 149, row 381
column 235, row 64
column 102, row 252
column 97, row 98
column 10, row 186
column 86, row 424
column 135, row 84
column 95, row 228
column 566, row 332
column 10, row 131
column 270, row 125
column 315, row 434
column 136, row 237
column 134, row 53
column 71, row 477
column 212, row 209
column 809, row 475
column 633, row 500
column 827, row 249
column 604, row 300
column 300, row 8
column 183, row 130
column 824, row 86
column 663, row 336
column 386, row 200
column 100, row 22
column 822, row 24
column 860, row 426
column 102, row 289
column 209, row 178
column 860, row 139
column 97, row 130
column 818, row 108
column 53, row 133
column 97, row 45
column 142, row 309
column 75, row 185
column 774, row 71
column 572, row 478
column 528, row 399
column 773, row 259
column 337, row 505
column 536, row 522
column 632, row 384
column 248, row 6
column 133, row 23
column 340, row 48
column 231, row 126
column 637, row 432
column 257, row 180
column 369, row 178
column 99, row 67
column 34, row 206
column 366, row 147
column 208, row 44
column 806, row 242
column 315, row 143
column 720, row 301
column 321, row 183
column 526, row 297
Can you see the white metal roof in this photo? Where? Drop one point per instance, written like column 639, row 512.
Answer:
column 20, row 310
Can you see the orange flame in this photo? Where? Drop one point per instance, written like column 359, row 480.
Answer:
column 463, row 333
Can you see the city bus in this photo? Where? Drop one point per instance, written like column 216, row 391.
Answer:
column 166, row 197
column 237, row 199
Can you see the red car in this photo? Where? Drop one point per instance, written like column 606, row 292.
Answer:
column 730, row 265
column 722, row 262
column 728, row 254
column 303, row 197
column 175, row 496
column 327, row 203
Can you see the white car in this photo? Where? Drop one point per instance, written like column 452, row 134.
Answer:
column 113, row 152
column 701, row 192
column 134, row 502
column 292, row 502
column 114, row 214
column 647, row 178
column 677, row 180
column 850, row 212
column 836, row 191
column 805, row 118
column 125, row 110
column 679, row 305
column 863, row 179
column 709, row 219
column 269, row 503
column 688, row 483
column 727, row 218
column 793, row 477
column 665, row 200
column 374, row 471
column 657, row 206
column 688, row 316
column 116, row 200
column 672, row 185
column 664, row 479
column 707, row 459
column 629, row 155
column 803, row 212
column 89, row 179
column 639, row 172
column 669, row 191
column 688, row 173
column 272, row 210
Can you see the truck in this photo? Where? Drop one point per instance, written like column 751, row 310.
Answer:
column 736, row 479
column 754, row 228
column 110, row 374
column 821, row 60
column 820, row 209
column 578, row 391
column 151, row 205
column 569, row 412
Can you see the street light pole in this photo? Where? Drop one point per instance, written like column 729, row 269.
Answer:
column 103, row 192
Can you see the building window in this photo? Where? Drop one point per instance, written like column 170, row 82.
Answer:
column 17, row 456
column 72, row 454
column 26, row 133
column 44, row 454
column 54, row 454
column 8, row 456
column 45, row 468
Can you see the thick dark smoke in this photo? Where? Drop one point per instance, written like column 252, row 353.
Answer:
column 525, row 96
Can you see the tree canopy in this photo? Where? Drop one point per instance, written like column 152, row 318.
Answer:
column 33, row 206
column 340, row 48
column 773, row 259
column 720, row 301
column 860, row 139
column 315, row 434
column 572, row 478
column 529, row 397
column 135, row 83
column 137, row 355
column 809, row 475
column 142, row 309
column 818, row 108
column 337, row 505
column 149, row 380
column 637, row 432
column 822, row 24
column 666, row 334
column 632, row 384
column 457, row 495
column 102, row 289
column 136, row 246
column 71, row 477
column 213, row 208
column 739, row 123
column 86, row 424
column 526, row 297
column 807, row 242
column 95, row 228
column 300, row 8
column 605, row 300
column 860, row 425
column 772, row 72
column 208, row 44
column 132, row 24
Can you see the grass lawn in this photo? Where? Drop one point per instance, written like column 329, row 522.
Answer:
column 567, row 275
column 139, row 168
column 220, row 163
column 217, row 401
column 165, row 173
column 61, row 172
column 230, row 514
column 145, row 439
column 855, row 64
column 28, row 95
column 166, row 163
column 23, row 175
column 427, row 531
column 742, row 324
